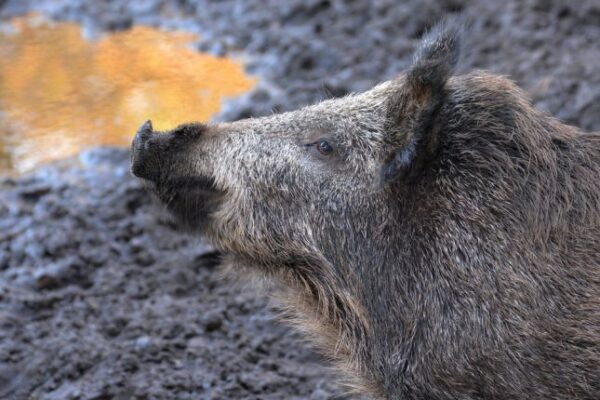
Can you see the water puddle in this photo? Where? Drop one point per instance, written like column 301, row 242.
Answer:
column 60, row 93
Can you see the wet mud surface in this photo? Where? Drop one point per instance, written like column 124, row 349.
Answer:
column 102, row 297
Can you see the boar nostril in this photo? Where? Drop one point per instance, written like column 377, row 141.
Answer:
column 142, row 135
column 145, row 130
column 138, row 148
column 147, row 125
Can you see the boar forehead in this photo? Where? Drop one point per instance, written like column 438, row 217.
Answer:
column 354, row 125
column 351, row 118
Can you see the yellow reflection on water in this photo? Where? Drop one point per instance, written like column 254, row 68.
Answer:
column 60, row 93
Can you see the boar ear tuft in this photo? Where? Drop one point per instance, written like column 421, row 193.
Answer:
column 413, row 109
column 436, row 57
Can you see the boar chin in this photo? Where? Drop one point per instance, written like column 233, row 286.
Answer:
column 190, row 200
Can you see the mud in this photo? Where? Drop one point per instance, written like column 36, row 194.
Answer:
column 102, row 297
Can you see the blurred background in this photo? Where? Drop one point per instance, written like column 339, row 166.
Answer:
column 101, row 297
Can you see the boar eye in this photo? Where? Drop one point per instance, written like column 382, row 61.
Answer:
column 324, row 147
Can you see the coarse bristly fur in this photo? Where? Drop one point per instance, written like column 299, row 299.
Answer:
column 444, row 243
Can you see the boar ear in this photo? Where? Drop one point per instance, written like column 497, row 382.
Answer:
column 413, row 108
column 436, row 57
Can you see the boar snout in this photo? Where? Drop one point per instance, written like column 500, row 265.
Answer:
column 144, row 163
column 152, row 152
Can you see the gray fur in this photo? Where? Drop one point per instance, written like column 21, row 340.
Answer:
column 449, row 248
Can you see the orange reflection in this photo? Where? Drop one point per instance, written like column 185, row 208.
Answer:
column 60, row 93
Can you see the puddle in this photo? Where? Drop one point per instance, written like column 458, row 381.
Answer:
column 60, row 93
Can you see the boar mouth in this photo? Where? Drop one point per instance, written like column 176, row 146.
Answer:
column 201, row 183
column 190, row 200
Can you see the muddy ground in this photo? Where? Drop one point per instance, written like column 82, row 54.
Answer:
column 101, row 297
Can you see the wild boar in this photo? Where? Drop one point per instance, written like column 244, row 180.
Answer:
column 436, row 236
